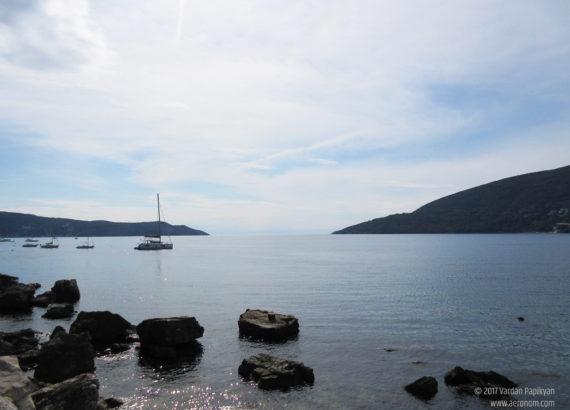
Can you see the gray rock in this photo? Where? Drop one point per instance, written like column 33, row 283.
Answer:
column 104, row 327
column 17, row 297
column 22, row 343
column 265, row 325
column 59, row 312
column 7, row 404
column 14, row 384
column 66, row 291
column 424, row 388
column 44, row 300
column 271, row 372
column 79, row 392
column 113, row 403
column 479, row 383
column 64, row 356
column 165, row 338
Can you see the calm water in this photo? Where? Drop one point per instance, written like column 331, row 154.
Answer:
column 442, row 300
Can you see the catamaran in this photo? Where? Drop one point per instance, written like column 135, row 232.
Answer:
column 51, row 244
column 154, row 242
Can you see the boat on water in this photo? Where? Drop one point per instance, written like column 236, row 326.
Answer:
column 51, row 244
column 29, row 245
column 31, row 240
column 154, row 242
column 87, row 245
column 2, row 239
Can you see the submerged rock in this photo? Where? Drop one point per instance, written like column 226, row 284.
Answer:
column 79, row 392
column 14, row 384
column 489, row 385
column 66, row 291
column 104, row 327
column 64, row 356
column 265, row 325
column 424, row 388
column 59, row 312
column 165, row 338
column 271, row 372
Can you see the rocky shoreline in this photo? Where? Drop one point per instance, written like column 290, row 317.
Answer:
column 64, row 366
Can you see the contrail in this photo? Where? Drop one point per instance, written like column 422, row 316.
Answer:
column 180, row 21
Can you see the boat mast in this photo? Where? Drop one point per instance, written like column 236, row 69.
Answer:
column 158, row 202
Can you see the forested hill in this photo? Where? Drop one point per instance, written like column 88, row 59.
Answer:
column 26, row 225
column 536, row 202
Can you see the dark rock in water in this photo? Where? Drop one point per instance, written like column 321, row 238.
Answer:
column 57, row 330
column 424, row 388
column 29, row 359
column 265, row 325
column 59, row 312
column 23, row 344
column 113, row 403
column 120, row 347
column 104, row 327
column 271, row 372
column 44, row 299
column 64, row 356
column 520, row 319
column 14, row 384
column 66, row 291
column 165, row 338
column 17, row 297
column 79, row 392
column 7, row 281
column 489, row 385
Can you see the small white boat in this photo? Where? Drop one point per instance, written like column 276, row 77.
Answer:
column 51, row 244
column 154, row 242
column 86, row 245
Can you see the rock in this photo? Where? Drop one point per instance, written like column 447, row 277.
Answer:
column 489, row 385
column 7, row 281
column 59, row 312
column 271, row 372
column 520, row 319
column 261, row 324
column 14, row 384
column 120, row 347
column 165, row 338
column 29, row 359
column 17, row 298
column 104, row 327
column 66, row 291
column 57, row 330
column 113, row 403
column 7, row 404
column 44, row 300
column 64, row 356
column 79, row 392
column 22, row 343
column 424, row 388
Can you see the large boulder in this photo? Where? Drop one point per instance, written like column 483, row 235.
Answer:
column 104, row 327
column 265, row 325
column 59, row 312
column 17, row 297
column 44, row 299
column 7, row 281
column 166, row 338
column 66, row 291
column 79, row 392
column 271, row 372
column 64, row 356
column 424, row 388
column 21, row 343
column 14, row 384
column 488, row 385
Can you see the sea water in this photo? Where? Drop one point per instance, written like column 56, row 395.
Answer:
column 376, row 312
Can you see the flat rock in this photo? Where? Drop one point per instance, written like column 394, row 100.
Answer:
column 265, row 325
column 424, row 388
column 272, row 372
column 14, row 384
column 79, row 392
column 166, row 338
column 104, row 327
column 64, row 356
column 59, row 312
column 66, row 291
column 488, row 385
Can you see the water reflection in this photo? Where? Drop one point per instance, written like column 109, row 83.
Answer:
column 187, row 360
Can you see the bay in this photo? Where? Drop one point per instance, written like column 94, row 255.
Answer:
column 376, row 312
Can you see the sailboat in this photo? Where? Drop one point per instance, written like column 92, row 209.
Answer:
column 51, row 244
column 154, row 242
column 86, row 245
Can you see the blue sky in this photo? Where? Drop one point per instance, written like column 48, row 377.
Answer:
column 274, row 117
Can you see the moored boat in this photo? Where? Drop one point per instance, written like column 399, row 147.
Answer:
column 154, row 242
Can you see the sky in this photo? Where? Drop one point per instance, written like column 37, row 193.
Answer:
column 273, row 116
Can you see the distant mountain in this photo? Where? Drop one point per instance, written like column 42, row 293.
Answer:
column 536, row 202
column 26, row 225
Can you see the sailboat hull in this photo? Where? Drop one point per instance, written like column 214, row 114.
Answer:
column 153, row 246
